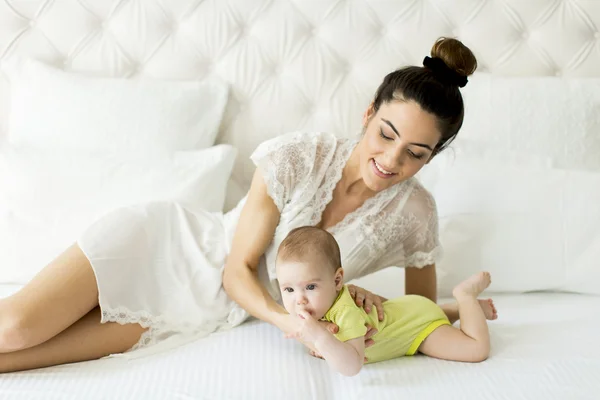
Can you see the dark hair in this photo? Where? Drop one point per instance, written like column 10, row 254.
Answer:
column 432, row 90
column 302, row 244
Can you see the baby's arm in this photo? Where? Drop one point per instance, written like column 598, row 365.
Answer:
column 345, row 357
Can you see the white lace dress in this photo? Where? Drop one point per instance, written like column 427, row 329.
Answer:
column 160, row 265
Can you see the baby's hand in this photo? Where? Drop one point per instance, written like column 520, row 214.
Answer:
column 315, row 354
column 307, row 329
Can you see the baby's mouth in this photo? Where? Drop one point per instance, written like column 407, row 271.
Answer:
column 308, row 311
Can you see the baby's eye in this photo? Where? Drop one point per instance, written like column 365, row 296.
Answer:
column 288, row 289
column 311, row 287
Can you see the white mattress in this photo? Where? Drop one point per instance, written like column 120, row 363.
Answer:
column 545, row 346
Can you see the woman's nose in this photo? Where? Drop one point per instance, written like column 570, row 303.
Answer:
column 394, row 159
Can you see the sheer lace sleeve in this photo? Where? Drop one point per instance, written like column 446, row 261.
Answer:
column 287, row 163
column 419, row 246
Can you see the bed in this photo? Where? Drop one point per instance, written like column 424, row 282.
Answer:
column 315, row 65
column 544, row 346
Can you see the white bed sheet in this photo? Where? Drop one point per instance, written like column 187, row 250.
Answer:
column 545, row 346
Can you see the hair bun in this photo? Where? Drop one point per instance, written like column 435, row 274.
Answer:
column 451, row 60
column 444, row 73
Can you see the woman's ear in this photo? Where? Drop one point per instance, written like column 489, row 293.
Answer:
column 430, row 158
column 369, row 112
column 433, row 154
column 339, row 278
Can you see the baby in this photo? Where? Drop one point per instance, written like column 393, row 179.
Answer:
column 312, row 288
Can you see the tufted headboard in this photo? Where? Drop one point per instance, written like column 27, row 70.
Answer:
column 303, row 64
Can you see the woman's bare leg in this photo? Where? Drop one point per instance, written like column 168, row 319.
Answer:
column 86, row 339
column 59, row 295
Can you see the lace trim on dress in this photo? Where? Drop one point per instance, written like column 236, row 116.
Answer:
column 389, row 228
column 421, row 259
column 123, row 316
column 332, row 177
column 275, row 189
column 382, row 223
column 372, row 205
column 285, row 161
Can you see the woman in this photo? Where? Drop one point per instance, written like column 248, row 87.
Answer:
column 153, row 274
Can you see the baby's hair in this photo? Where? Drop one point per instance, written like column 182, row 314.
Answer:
column 304, row 243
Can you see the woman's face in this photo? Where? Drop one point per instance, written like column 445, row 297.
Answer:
column 398, row 141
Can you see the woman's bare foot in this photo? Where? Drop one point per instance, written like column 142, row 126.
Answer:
column 472, row 286
column 489, row 309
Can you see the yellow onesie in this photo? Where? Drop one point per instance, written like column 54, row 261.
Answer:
column 407, row 321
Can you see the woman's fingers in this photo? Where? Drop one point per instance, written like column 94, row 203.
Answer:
column 369, row 300
column 358, row 294
column 379, row 306
column 333, row 328
column 352, row 290
column 360, row 298
column 370, row 331
column 330, row 326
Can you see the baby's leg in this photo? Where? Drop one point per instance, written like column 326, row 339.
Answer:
column 487, row 305
column 470, row 343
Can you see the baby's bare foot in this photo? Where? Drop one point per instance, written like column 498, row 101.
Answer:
column 489, row 309
column 473, row 286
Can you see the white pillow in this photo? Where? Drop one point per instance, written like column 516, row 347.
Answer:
column 48, row 199
column 532, row 226
column 53, row 109
column 549, row 117
column 518, row 190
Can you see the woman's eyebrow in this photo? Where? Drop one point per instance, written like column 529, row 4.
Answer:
column 396, row 132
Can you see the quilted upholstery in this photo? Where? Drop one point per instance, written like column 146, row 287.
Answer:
column 295, row 64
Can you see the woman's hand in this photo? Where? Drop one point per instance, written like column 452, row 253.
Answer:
column 365, row 299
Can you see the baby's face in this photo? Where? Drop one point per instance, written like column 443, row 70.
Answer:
column 308, row 286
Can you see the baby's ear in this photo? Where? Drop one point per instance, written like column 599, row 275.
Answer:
column 339, row 278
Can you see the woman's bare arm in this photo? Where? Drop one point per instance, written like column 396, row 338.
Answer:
column 421, row 281
column 253, row 234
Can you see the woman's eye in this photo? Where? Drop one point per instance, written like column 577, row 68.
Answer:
column 310, row 287
column 383, row 135
column 413, row 155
